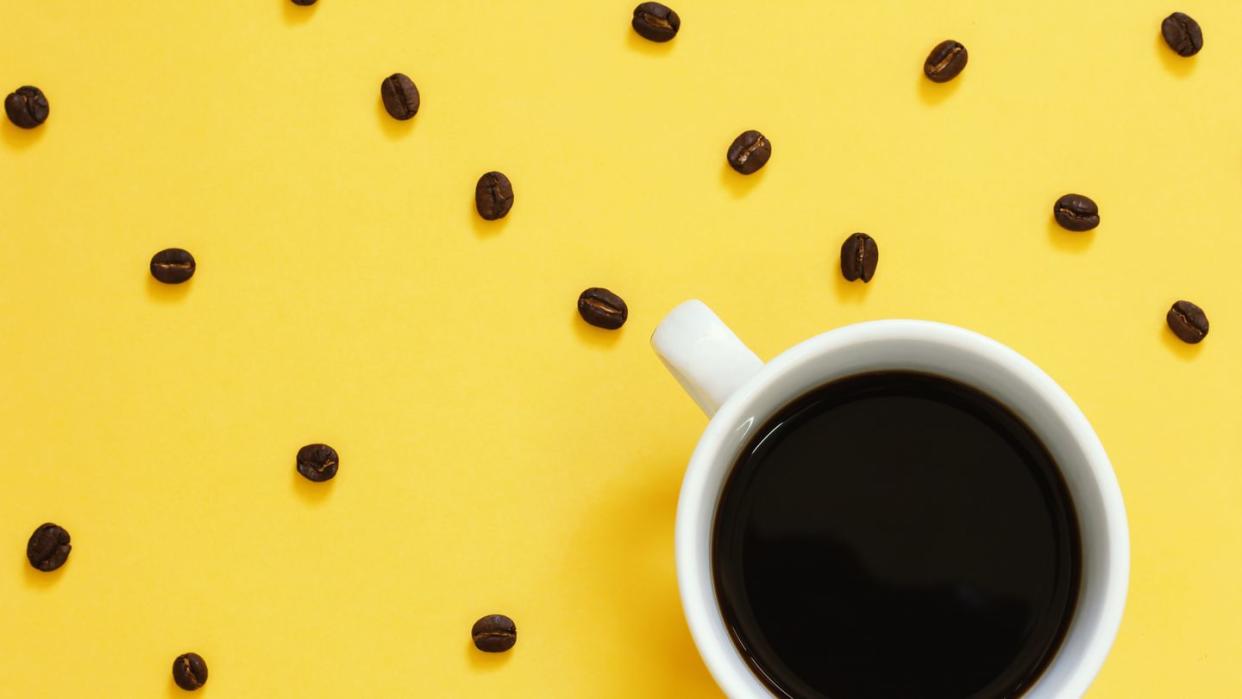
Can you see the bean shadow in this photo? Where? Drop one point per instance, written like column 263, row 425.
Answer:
column 167, row 293
column 638, row 44
column 175, row 692
column 486, row 662
column 848, row 291
column 295, row 15
column 736, row 183
column 394, row 129
column 17, row 138
column 932, row 94
column 1182, row 350
column 314, row 494
column 1175, row 65
column 37, row 579
column 596, row 337
column 484, row 228
column 1068, row 241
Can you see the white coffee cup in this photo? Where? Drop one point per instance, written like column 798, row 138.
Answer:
column 739, row 392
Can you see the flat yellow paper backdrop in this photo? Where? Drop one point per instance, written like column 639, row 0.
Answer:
column 497, row 454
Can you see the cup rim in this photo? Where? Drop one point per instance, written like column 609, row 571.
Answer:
column 706, row 473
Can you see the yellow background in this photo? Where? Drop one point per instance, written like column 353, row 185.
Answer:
column 497, row 454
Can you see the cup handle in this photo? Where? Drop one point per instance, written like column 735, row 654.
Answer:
column 703, row 354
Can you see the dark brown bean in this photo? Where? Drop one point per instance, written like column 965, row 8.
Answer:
column 189, row 671
column 172, row 266
column 1182, row 33
column 602, row 308
column 318, row 462
column 859, row 257
column 945, row 61
column 1075, row 212
column 493, row 196
column 304, row 3
column 655, row 22
column 27, row 107
column 48, row 547
column 400, row 96
column 494, row 633
column 1188, row 322
column 749, row 152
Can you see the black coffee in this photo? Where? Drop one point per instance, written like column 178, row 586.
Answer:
column 896, row 535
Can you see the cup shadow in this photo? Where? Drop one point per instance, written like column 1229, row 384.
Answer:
column 1175, row 65
column 736, row 183
column 1068, row 241
column 167, row 293
column 596, row 337
column 1182, row 350
column 312, row 493
column 394, row 129
column 932, row 94
column 634, row 523
column 646, row 47
column 295, row 15
column 486, row 662
column 17, row 138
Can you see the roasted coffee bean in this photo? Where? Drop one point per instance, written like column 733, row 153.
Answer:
column 189, row 671
column 493, row 196
column 172, row 266
column 1188, row 322
column 27, row 107
column 400, row 96
column 304, row 3
column 749, row 152
column 48, row 548
column 318, row 462
column 1074, row 212
column 945, row 61
column 859, row 256
column 1182, row 33
column 494, row 633
column 655, row 22
column 602, row 308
